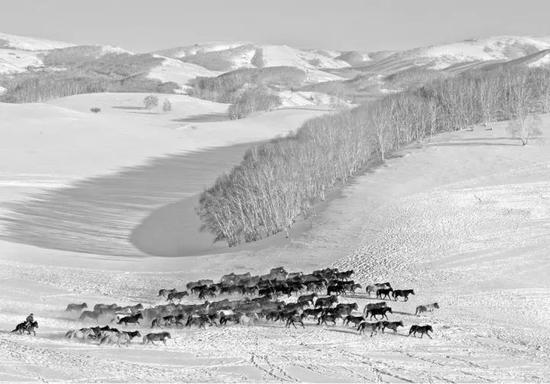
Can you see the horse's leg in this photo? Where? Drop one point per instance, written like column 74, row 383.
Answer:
column 428, row 335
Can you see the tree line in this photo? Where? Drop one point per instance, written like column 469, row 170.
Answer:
column 248, row 89
column 280, row 181
column 79, row 71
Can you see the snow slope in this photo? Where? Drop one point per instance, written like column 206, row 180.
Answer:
column 443, row 56
column 66, row 145
column 471, row 234
column 30, row 43
column 231, row 56
column 179, row 71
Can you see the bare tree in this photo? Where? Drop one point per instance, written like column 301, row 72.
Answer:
column 166, row 106
column 150, row 102
column 520, row 104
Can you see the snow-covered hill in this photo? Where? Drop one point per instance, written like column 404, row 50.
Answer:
column 30, row 43
column 178, row 71
column 18, row 53
column 230, row 56
column 444, row 56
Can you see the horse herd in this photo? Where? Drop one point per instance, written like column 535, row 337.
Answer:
column 268, row 298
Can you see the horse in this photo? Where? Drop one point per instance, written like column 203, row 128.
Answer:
column 326, row 301
column 76, row 307
column 296, row 318
column 383, row 293
column 346, row 309
column 313, row 312
column 177, row 296
column 335, row 288
column 93, row 315
column 210, row 292
column 426, row 308
column 133, row 308
column 26, row 327
column 152, row 337
column 131, row 319
column 381, row 304
column 165, row 292
column 120, row 338
column 351, row 286
column 375, row 287
column 295, row 306
column 307, row 298
column 393, row 325
column 424, row 329
column 356, row 320
column 83, row 333
column 402, row 293
column 327, row 317
column 374, row 327
column 102, row 307
column 379, row 311
column 155, row 323
column 192, row 284
column 344, row 275
column 199, row 321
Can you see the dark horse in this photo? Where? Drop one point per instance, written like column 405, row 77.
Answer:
column 374, row 312
column 424, row 329
column 131, row 319
column 404, row 293
column 26, row 327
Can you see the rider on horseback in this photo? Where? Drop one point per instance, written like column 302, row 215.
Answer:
column 29, row 320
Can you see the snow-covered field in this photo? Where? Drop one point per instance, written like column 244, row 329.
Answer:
column 464, row 220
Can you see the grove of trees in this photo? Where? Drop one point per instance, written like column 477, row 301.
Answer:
column 280, row 181
column 76, row 70
column 248, row 89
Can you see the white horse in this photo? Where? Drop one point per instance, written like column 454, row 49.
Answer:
column 426, row 308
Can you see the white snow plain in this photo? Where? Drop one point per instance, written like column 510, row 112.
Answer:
column 463, row 219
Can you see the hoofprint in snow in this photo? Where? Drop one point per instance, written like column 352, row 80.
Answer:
column 471, row 234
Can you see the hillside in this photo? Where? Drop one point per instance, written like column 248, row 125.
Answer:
column 471, row 234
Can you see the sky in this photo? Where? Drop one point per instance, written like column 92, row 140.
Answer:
column 366, row 25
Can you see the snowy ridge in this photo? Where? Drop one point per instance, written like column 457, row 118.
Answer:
column 30, row 43
column 440, row 57
column 179, row 52
column 178, row 71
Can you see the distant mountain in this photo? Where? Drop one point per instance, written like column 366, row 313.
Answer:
column 224, row 57
column 450, row 56
column 351, row 74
